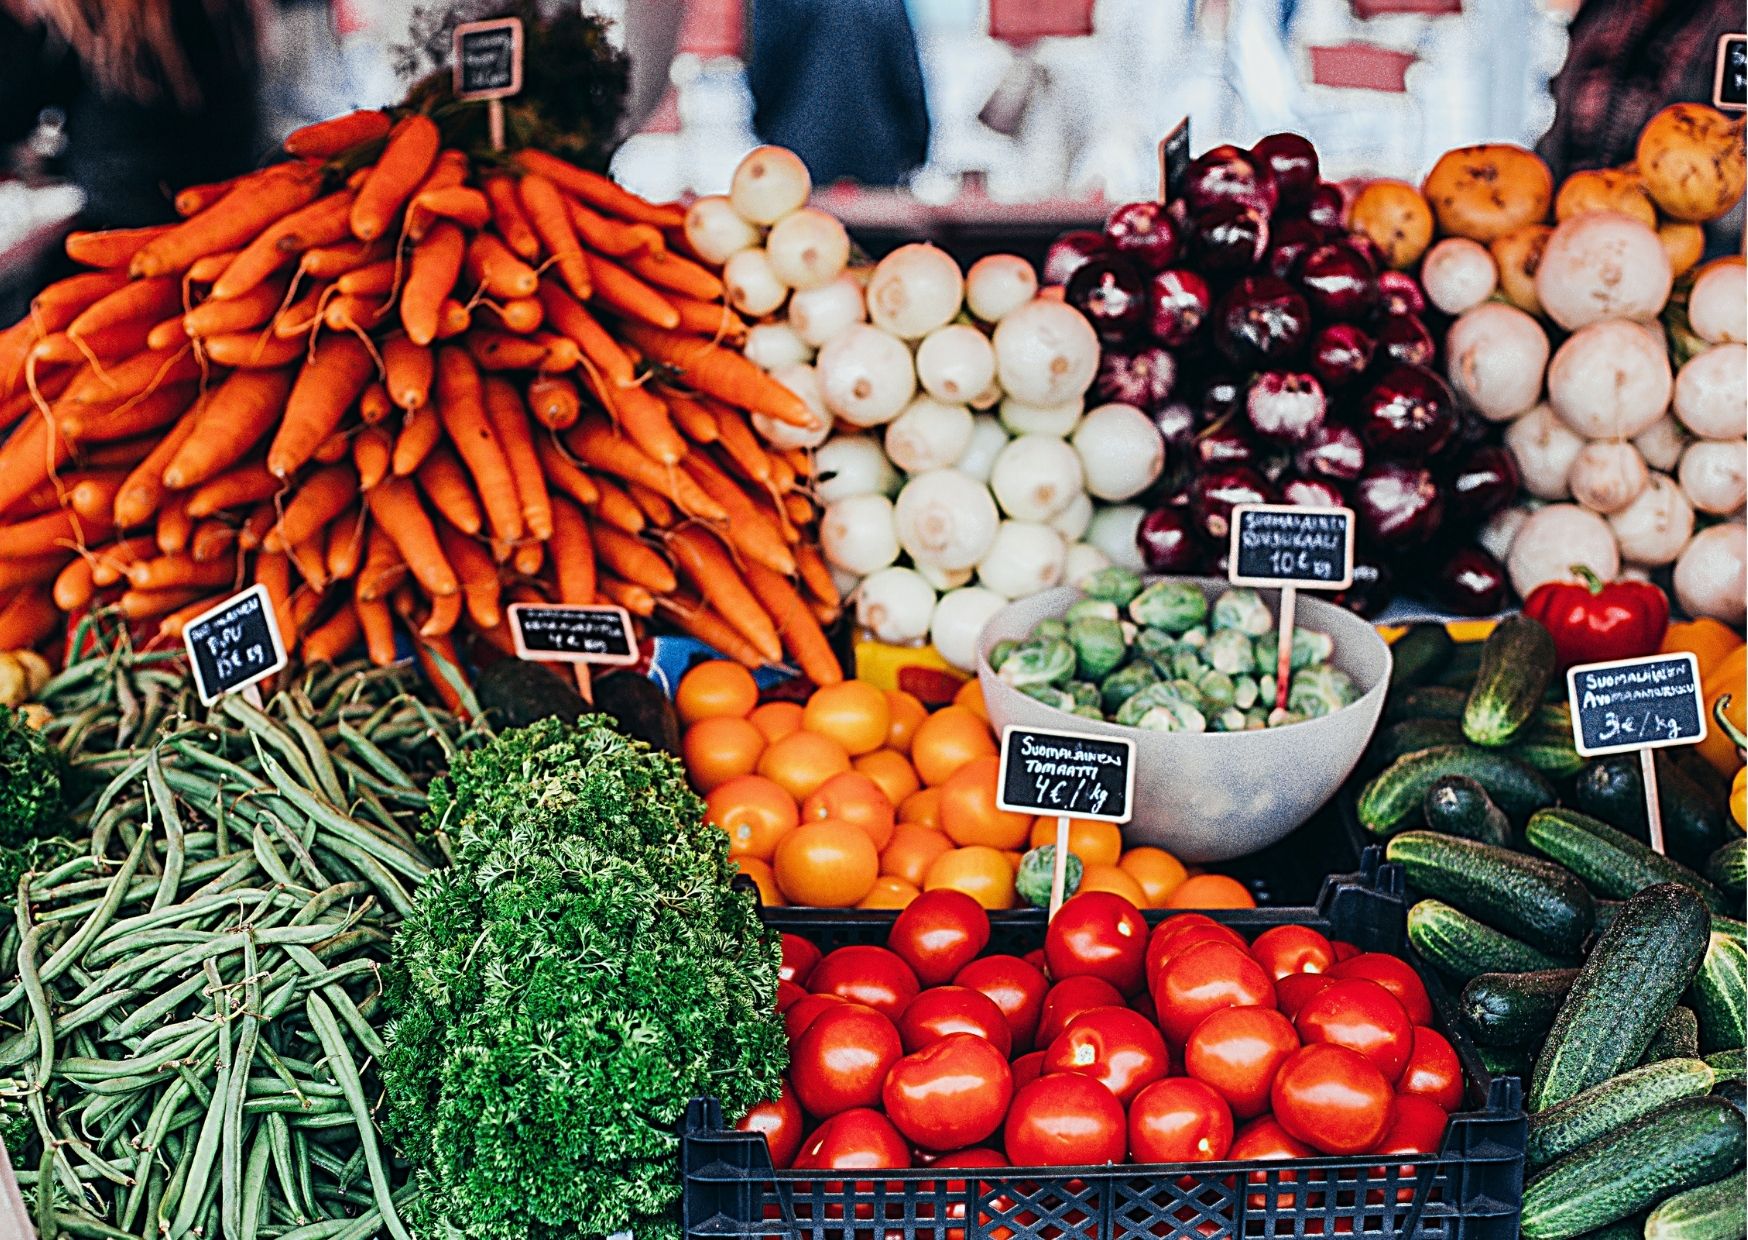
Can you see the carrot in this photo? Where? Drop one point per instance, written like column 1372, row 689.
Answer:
column 377, row 625
column 245, row 484
column 32, row 569
column 431, row 274
column 235, row 314
column 628, row 594
column 109, row 563
column 709, row 627
column 802, row 636
column 527, row 557
column 448, row 172
column 708, row 318
column 174, row 526
column 15, row 346
column 35, row 450
column 398, row 513
column 308, row 558
column 420, row 431
column 706, row 564
column 545, row 209
column 507, row 351
column 492, row 265
column 617, row 508
column 562, row 472
column 442, row 668
column 111, row 247
column 445, row 484
column 461, row 405
column 519, row 314
column 345, row 544
column 798, row 509
column 93, row 496
column 252, row 203
column 326, row 139
column 677, row 274
column 178, row 572
column 695, row 419
column 445, row 613
column 322, row 222
column 509, row 421
column 238, row 414
column 567, row 316
column 370, row 280
column 659, row 511
column 336, row 447
column 273, row 570
column 210, row 540
column 255, row 526
column 325, row 262
column 573, row 553
column 749, row 530
column 140, row 605
column 165, row 333
column 251, row 350
column 355, row 314
column 815, row 575
column 333, row 637
column 722, row 373
column 507, row 217
column 139, row 496
column 53, row 531
column 643, row 416
column 742, row 448
column 554, row 402
column 631, row 559
column 407, row 370
column 405, row 159
column 619, row 290
column 55, row 308
column 383, row 567
column 305, row 314
column 596, row 446
column 89, row 423
column 28, row 618
column 374, row 406
column 193, row 199
column 372, row 450
column 209, row 267
column 453, row 319
column 609, row 236
column 73, row 588
column 479, row 576
column 317, row 500
column 107, row 344
column 467, row 207
column 140, row 373
column 598, row 191
column 326, row 387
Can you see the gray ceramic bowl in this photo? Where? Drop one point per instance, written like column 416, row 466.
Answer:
column 1207, row 796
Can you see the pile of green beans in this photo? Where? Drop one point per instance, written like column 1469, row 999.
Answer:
column 190, row 1009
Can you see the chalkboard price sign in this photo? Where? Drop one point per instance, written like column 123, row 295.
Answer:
column 1730, row 87
column 233, row 645
column 1068, row 774
column 1289, row 545
column 1644, row 703
column 488, row 58
column 1174, row 160
column 572, row 634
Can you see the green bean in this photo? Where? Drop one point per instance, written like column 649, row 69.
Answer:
column 90, row 930
column 385, row 883
column 300, row 1154
column 86, row 1155
column 315, row 749
column 279, row 1138
column 157, row 1008
column 45, row 1195
column 265, row 731
column 321, row 1018
column 79, row 1223
column 231, row 1161
column 205, row 1151
column 31, row 981
column 372, row 756
column 254, row 1186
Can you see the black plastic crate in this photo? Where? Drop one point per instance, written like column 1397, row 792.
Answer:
column 1471, row 1190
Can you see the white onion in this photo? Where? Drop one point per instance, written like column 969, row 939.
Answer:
column 818, row 314
column 895, row 605
column 1712, row 475
column 1072, row 521
column 716, row 231
column 859, row 533
column 1711, row 577
column 768, row 184
column 959, row 620
column 1607, row 476
column 770, row 345
column 1046, row 353
column 1026, row 557
column 946, row 518
column 1661, row 443
column 1553, row 540
column 955, row 363
column 847, row 465
column 808, row 248
column 914, row 290
column 1711, row 392
column 944, row 579
column 1655, row 527
column 1610, row 380
column 866, row 375
column 1022, row 419
column 1544, row 448
column 1112, row 531
column 989, row 398
column 1717, row 306
column 1496, row 534
column 844, row 580
column 1458, row 274
column 999, row 284
column 1121, row 451
column 752, row 284
column 1035, row 477
column 803, row 380
column 1602, row 266
column 1083, row 561
column 928, row 435
column 987, row 440
column 1495, row 357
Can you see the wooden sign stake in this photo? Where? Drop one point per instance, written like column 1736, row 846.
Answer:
column 495, row 123
column 500, row 32
column 1284, row 645
column 1059, row 874
column 1653, row 811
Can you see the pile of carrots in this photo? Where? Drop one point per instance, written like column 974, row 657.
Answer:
column 399, row 386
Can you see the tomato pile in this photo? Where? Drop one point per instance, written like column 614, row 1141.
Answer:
column 1109, row 1043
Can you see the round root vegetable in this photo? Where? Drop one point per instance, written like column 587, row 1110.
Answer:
column 1711, row 577
column 1458, row 273
column 1113, row 531
column 987, row 440
column 1485, row 191
column 1603, row 266
column 1553, row 540
column 1685, row 244
column 1610, row 380
column 1690, row 159
column 818, row 314
column 804, row 381
column 1518, row 254
column 770, row 345
column 946, row 519
column 1083, row 561
column 867, row 375
column 1495, row 357
column 858, row 533
column 914, row 290
column 1022, row 419
column 1121, row 452
column 716, row 231
column 1712, row 475
column 768, row 184
column 1024, row 558
column 852, row 465
column 944, row 579
column 1717, row 306
column 753, row 285
column 955, row 363
column 999, row 284
column 808, row 248
column 1606, row 476
column 928, row 435
column 1045, row 353
column 959, row 617
column 1605, row 189
column 1072, row 521
column 1544, row 448
column 1710, row 392
column 895, row 604
column 1654, row 528
column 1495, row 537
column 1395, row 216
column 1035, row 477
column 1661, row 443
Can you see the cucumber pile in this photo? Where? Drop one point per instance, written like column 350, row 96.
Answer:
column 1612, row 978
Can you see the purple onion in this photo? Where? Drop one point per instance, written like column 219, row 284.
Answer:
column 1143, row 233
column 1179, row 303
column 1230, row 237
column 1261, row 321
column 1484, row 481
column 1311, row 493
column 1371, row 591
column 1471, row 582
column 1324, row 205
column 1397, row 505
column 1285, row 406
column 1142, row 378
column 1168, row 541
column 1404, row 340
column 1338, row 282
column 1229, row 174
column 1221, row 396
column 1334, row 452
column 1111, row 294
column 1177, row 424
column 1289, row 241
column 1400, row 293
column 1219, row 446
column 1068, row 252
column 1409, row 413
column 1217, row 492
column 1340, row 354
column 1292, row 160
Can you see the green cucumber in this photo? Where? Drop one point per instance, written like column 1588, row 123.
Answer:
column 1682, row 1146
column 1418, row 655
column 1514, row 1009
column 1505, row 1061
column 1611, row 862
column 1606, row 911
column 1720, row 993
column 1526, row 897
column 1464, row 663
column 1617, row 1102
column 1631, row 1228
column 1412, row 735
column 1392, row 800
column 1517, row 662
column 1715, row 1211
column 1613, row 789
column 1676, row 1038
column 1426, row 702
column 1728, row 867
column 1633, row 977
column 1459, row 945
column 1457, row 805
column 1548, row 750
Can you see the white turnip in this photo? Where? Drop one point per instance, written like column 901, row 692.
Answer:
column 946, row 519
column 1495, row 357
column 999, row 284
column 807, row 248
column 849, row 465
column 1083, row 560
column 804, row 381
column 1121, row 452
column 1711, row 392
column 959, row 620
column 1035, row 477
column 769, row 183
column 1602, row 266
column 1717, row 306
column 1458, row 274
column 1656, row 526
column 752, row 284
column 1545, row 448
column 716, row 231
column 1112, row 530
column 1022, row 419
column 1607, row 475
column 1554, row 539
column 1046, row 353
column 987, row 440
column 1075, row 516
column 928, row 435
column 1026, row 557
column 859, row 533
column 914, row 290
column 1661, row 443
column 1610, row 380
column 866, row 375
column 895, row 605
column 1711, row 577
column 818, row 314
column 770, row 345
column 955, row 363
column 1714, row 475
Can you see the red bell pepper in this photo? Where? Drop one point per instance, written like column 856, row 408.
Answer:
column 1593, row 622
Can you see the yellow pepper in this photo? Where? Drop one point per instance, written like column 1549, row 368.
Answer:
column 1728, row 678
column 1711, row 641
column 1739, row 799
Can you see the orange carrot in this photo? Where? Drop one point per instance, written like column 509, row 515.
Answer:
column 802, row 637
column 355, row 314
column 405, row 159
column 139, row 496
column 545, row 209
column 420, row 431
column 109, row 563
column 336, row 447
column 519, row 314
column 612, row 237
column 174, row 527
column 617, row 509
column 709, row 627
column 395, row 506
column 305, row 314
column 245, row 484
column 554, row 402
column 743, row 449
column 377, row 625
column 90, row 423
column 73, row 586
column 431, row 274
column 111, row 247
column 509, row 421
column 308, row 559
column 407, row 370
column 326, row 387
column 445, row 613
column 29, row 617
column 211, row 540
column 165, row 333
column 453, row 319
column 619, row 290
column 573, row 553
column 345, row 544
column 35, row 450
column 273, row 570
column 628, row 594
column 598, row 191
column 722, row 373
column 94, row 495
column 325, row 262
column 178, row 572
column 107, row 344
column 815, row 575
column 372, row 449
column 707, row 565
column 32, row 569
column 445, row 484
column 749, row 530
column 447, row 172
column 562, row 472
column 467, row 207
column 695, row 420
column 491, row 264
column 643, row 416
column 55, row 308
column 140, row 605
column 527, row 557
column 508, row 351
column 317, row 500
column 52, row 532
column 374, row 406
column 255, row 526
column 680, row 275
column 596, row 446
column 326, row 139
column 333, row 637
column 507, row 216
column 439, row 662
column 193, row 199
column 370, row 280
column 322, row 222
column 656, row 507
column 235, row 314
column 252, row 203
column 209, row 267
column 251, row 350
column 479, row 576
column 708, row 318
column 383, row 567
column 461, row 405
column 566, row 316
column 631, row 559
column 238, row 414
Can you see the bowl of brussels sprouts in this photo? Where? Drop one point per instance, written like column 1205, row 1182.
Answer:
column 1185, row 667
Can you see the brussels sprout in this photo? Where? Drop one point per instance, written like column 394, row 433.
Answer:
column 1088, row 712
column 1084, row 692
column 1174, row 605
column 1229, row 651
column 998, row 653
column 1184, row 662
column 1124, row 683
column 1244, row 610
column 1229, row 720
column 1049, row 630
column 1279, row 718
column 1196, row 636
column 1310, row 648
column 1266, row 689
column 1080, row 609
column 1173, row 717
column 1050, row 695
column 1156, row 694
column 1320, row 690
column 1098, row 646
column 1256, row 718
column 1038, row 663
column 1217, row 689
column 1130, row 631
column 1186, row 689
column 1154, row 642
column 1244, row 692
column 1264, row 651
column 1114, row 584
column 1038, row 871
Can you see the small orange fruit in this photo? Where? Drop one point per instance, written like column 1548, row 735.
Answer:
column 1088, row 838
column 907, row 714
column 980, row 872
column 946, row 741
column 853, row 798
column 826, row 864
column 1101, row 877
column 802, row 761
column 718, row 748
column 922, row 807
column 968, row 811
column 715, row 688
column 911, row 850
column 891, row 770
column 1211, row 891
column 1158, row 872
column 1015, row 857
column 970, row 696
column 890, row 891
column 776, row 719
column 853, row 713
column 760, row 873
column 755, row 812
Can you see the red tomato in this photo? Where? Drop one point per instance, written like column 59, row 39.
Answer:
column 1143, row 1003
column 1292, row 949
column 1417, row 1126
column 950, row 1094
column 1292, row 990
column 1343, row 950
column 1120, row 1049
column 781, row 1123
column 1028, row 1068
column 1098, row 934
column 1175, row 933
column 870, row 975
column 841, row 1059
column 1016, row 987
column 1068, row 999
column 1065, row 1120
column 854, row 1140
column 941, row 1010
column 1035, row 958
column 804, row 1011
column 1203, row 978
column 799, row 957
column 1433, row 1070
column 1236, row 1051
column 1179, row 1120
column 1331, row 1098
column 1264, row 1140
column 979, row 1156
column 788, row 994
column 1363, row 1017
column 1395, row 975
column 939, row 933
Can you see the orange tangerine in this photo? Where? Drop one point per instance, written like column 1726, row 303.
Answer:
column 891, row 770
column 911, row 850
column 1014, row 856
column 718, row 748
column 854, row 798
column 1158, row 872
column 946, row 741
column 827, row 864
column 776, row 719
column 802, row 761
column 1211, row 891
column 979, row 871
column 760, row 873
column 968, row 811
column 754, row 811
column 1088, row 838
column 970, row 696
column 1100, row 877
column 922, row 807
column 715, row 688
column 907, row 714
column 890, row 891
column 853, row 713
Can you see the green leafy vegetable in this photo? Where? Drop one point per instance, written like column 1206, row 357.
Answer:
column 31, row 806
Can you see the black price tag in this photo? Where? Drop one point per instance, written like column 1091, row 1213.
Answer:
column 488, row 58
column 1636, row 704
column 572, row 634
column 233, row 645
column 1730, row 86
column 1287, row 545
column 1174, row 160
column 1068, row 774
